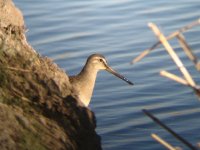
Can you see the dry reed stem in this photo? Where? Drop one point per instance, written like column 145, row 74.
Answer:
column 16, row 69
column 173, row 55
column 163, row 142
column 173, row 77
column 177, row 136
column 172, row 35
column 187, row 50
column 177, row 79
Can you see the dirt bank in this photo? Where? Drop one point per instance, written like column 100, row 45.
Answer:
column 37, row 108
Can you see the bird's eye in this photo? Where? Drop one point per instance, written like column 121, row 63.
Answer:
column 101, row 60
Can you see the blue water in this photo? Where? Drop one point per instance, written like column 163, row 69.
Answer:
column 69, row 31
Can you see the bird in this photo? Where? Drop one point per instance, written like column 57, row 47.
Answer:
column 84, row 82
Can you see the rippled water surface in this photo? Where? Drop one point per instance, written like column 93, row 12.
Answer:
column 68, row 31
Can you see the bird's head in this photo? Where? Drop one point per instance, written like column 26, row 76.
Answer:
column 98, row 62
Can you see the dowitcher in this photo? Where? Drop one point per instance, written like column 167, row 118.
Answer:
column 83, row 83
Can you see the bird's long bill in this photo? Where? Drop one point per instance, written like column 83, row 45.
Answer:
column 109, row 69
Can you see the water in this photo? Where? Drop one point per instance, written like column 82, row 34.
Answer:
column 68, row 31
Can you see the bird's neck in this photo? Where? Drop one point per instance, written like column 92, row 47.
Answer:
column 88, row 74
column 87, row 80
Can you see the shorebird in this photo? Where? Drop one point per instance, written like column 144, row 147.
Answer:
column 84, row 82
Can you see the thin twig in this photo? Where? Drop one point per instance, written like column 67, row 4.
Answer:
column 172, row 35
column 163, row 142
column 173, row 55
column 156, row 120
